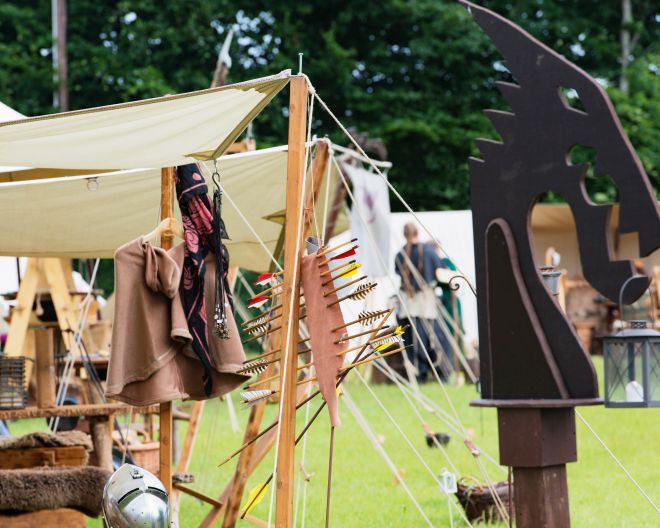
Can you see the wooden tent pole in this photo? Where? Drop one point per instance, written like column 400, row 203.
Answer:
column 246, row 458
column 165, row 425
column 291, row 300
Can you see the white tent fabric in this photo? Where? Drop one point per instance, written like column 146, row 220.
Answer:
column 9, row 114
column 91, row 216
column 453, row 229
column 160, row 132
column 373, row 204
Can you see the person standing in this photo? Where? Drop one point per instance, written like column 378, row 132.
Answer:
column 417, row 264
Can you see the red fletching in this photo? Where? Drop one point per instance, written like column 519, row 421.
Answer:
column 258, row 301
column 263, row 279
column 345, row 254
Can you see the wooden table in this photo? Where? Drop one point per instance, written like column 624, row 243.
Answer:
column 100, row 418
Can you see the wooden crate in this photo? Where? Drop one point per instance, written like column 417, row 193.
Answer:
column 45, row 519
column 42, row 456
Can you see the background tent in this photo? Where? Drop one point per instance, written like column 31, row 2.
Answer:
column 553, row 225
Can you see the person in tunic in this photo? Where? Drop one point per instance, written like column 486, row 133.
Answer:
column 419, row 304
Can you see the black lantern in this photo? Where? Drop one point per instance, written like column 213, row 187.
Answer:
column 632, row 367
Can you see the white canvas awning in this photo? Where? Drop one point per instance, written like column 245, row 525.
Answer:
column 160, row 132
column 9, row 114
column 91, row 216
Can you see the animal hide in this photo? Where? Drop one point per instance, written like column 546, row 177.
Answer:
column 29, row 490
column 320, row 321
column 64, row 439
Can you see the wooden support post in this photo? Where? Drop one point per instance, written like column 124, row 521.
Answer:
column 242, row 468
column 541, row 497
column 165, row 421
column 291, row 301
column 245, row 461
column 45, row 351
column 100, row 428
column 335, row 208
column 538, row 443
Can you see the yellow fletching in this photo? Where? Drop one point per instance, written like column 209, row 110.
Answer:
column 339, row 391
column 382, row 347
column 399, row 330
column 256, row 494
column 350, row 271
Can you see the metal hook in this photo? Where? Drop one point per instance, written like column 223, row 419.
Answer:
column 623, row 289
column 454, row 286
column 215, row 174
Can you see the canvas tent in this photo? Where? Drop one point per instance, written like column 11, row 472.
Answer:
column 54, row 215
column 553, row 225
column 80, row 218
column 161, row 132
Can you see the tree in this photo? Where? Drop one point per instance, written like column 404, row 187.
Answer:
column 416, row 73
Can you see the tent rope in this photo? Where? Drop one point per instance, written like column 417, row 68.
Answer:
column 427, row 356
column 379, row 172
column 369, row 433
column 429, row 406
column 402, row 433
column 303, row 482
column 68, row 365
column 617, row 461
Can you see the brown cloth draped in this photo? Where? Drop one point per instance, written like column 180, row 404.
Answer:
column 320, row 321
column 151, row 357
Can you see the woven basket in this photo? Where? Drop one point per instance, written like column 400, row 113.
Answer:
column 478, row 503
column 13, row 393
column 145, row 453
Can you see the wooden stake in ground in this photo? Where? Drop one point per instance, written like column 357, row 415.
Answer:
column 291, row 301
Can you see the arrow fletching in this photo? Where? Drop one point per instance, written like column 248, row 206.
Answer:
column 349, row 272
column 385, row 343
column 263, row 279
column 258, row 301
column 254, row 367
column 362, row 291
column 345, row 254
column 254, row 497
column 260, row 326
column 251, row 398
column 368, row 317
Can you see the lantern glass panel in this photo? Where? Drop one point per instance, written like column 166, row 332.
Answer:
column 654, row 370
column 625, row 371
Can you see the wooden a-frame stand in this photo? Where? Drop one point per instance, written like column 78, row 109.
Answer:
column 50, row 274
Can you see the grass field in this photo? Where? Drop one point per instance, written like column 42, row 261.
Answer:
column 364, row 493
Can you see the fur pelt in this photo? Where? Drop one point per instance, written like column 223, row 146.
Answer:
column 45, row 488
column 64, row 439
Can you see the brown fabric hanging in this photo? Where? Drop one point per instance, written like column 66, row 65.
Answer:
column 151, row 358
column 320, row 321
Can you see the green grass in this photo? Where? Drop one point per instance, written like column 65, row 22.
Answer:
column 363, row 492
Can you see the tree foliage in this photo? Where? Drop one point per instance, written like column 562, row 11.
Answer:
column 416, row 73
